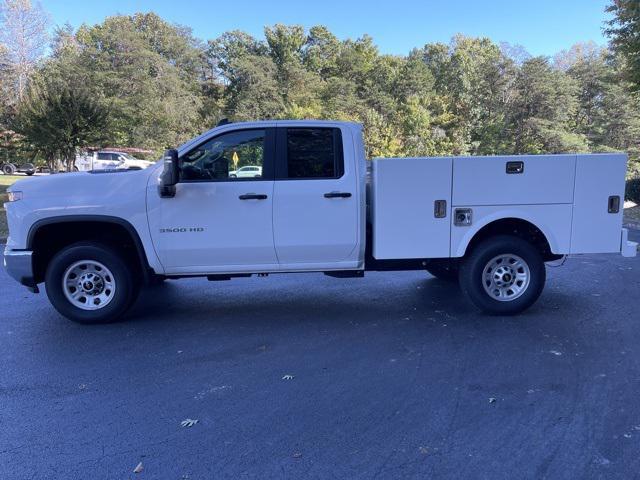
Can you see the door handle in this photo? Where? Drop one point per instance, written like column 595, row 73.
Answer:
column 514, row 168
column 253, row 196
column 613, row 205
column 337, row 195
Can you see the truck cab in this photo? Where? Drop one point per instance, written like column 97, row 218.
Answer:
column 317, row 205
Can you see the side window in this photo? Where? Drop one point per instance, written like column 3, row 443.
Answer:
column 226, row 157
column 104, row 156
column 314, row 153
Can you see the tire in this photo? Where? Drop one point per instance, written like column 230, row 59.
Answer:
column 104, row 267
column 445, row 270
column 490, row 267
column 9, row 169
column 29, row 173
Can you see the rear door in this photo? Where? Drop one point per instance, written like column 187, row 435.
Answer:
column 315, row 209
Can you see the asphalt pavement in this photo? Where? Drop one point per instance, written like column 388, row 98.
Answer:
column 304, row 376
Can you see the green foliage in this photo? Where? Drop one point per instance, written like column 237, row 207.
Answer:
column 624, row 31
column 633, row 190
column 60, row 115
column 161, row 86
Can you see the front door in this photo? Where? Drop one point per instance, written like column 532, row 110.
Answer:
column 316, row 205
column 218, row 221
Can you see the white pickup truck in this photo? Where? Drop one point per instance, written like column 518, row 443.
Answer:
column 107, row 160
column 94, row 238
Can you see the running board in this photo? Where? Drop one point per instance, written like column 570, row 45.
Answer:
column 345, row 273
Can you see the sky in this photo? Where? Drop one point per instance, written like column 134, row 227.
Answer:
column 543, row 27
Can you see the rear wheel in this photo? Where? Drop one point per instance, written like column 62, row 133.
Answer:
column 9, row 169
column 503, row 275
column 90, row 283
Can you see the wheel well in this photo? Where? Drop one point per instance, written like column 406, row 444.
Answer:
column 519, row 228
column 50, row 238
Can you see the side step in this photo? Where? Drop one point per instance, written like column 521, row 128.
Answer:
column 345, row 273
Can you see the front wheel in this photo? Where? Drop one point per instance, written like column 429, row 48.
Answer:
column 90, row 283
column 503, row 275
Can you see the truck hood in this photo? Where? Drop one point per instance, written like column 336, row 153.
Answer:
column 89, row 185
column 121, row 194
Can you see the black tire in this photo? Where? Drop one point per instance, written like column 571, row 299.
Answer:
column 445, row 269
column 127, row 286
column 472, row 268
column 9, row 169
column 29, row 173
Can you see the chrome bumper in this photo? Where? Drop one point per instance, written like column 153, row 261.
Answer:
column 627, row 247
column 18, row 265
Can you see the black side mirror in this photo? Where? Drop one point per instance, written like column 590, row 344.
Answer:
column 170, row 174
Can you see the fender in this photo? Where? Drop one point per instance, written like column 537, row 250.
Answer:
column 557, row 246
column 142, row 255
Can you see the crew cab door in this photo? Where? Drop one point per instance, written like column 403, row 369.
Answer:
column 316, row 198
column 217, row 222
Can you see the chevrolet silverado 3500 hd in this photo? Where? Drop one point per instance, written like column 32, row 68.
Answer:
column 491, row 223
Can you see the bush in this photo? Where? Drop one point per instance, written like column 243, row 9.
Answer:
column 633, row 190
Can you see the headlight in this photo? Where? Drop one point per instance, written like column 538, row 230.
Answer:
column 14, row 196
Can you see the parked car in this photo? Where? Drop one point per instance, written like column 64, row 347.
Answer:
column 246, row 172
column 108, row 160
column 490, row 223
column 11, row 168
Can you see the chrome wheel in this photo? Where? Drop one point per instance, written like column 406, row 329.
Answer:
column 506, row 277
column 88, row 285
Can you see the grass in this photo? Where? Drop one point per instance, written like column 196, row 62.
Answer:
column 5, row 182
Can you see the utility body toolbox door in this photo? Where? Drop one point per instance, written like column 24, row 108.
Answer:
column 411, row 207
column 598, row 203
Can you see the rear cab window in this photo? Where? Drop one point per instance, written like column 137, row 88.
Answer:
column 309, row 153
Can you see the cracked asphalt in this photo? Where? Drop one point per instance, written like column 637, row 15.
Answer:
column 391, row 376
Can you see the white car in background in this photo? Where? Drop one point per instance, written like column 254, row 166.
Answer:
column 250, row 171
column 108, row 160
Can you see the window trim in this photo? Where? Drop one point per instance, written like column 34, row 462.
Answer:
column 282, row 153
column 267, row 160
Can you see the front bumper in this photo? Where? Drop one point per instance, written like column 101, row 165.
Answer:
column 627, row 247
column 19, row 265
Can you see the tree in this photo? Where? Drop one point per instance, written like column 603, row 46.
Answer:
column 150, row 72
column 624, row 31
column 544, row 105
column 58, row 116
column 23, row 31
column 478, row 80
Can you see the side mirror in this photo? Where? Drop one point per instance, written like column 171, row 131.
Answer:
column 170, row 174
